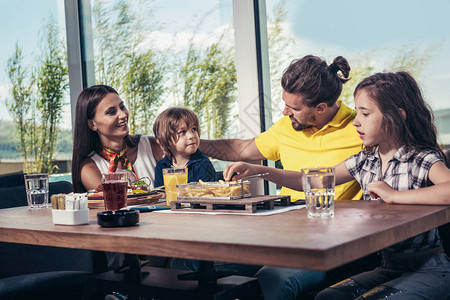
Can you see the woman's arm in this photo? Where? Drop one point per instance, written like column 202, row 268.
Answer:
column 438, row 194
column 90, row 174
column 158, row 153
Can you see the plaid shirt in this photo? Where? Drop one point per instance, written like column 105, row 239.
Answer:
column 406, row 170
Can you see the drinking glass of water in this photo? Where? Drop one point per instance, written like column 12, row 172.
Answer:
column 318, row 186
column 36, row 186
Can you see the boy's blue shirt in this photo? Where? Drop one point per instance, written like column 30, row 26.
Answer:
column 199, row 167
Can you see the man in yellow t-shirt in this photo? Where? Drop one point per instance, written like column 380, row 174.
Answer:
column 316, row 130
column 313, row 147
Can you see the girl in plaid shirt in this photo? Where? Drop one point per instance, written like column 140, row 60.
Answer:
column 401, row 163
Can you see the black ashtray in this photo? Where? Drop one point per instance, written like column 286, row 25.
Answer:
column 118, row 218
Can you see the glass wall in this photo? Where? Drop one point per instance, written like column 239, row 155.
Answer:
column 160, row 53
column 33, row 85
column 374, row 36
column 163, row 53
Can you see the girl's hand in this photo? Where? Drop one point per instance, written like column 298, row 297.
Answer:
column 241, row 168
column 382, row 190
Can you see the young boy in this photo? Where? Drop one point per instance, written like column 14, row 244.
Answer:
column 177, row 131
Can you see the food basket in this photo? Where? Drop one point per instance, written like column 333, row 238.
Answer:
column 214, row 190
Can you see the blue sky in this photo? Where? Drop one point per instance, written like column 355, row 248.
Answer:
column 363, row 23
column 350, row 27
column 345, row 27
column 21, row 21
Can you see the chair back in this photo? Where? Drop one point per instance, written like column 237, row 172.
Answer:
column 13, row 193
column 19, row 259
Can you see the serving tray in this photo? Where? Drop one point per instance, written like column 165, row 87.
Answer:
column 133, row 199
column 248, row 205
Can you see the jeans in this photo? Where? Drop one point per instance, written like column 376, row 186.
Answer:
column 276, row 283
column 287, row 283
column 402, row 281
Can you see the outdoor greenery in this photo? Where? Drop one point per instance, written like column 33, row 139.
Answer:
column 202, row 78
column 136, row 73
column 279, row 41
column 9, row 143
column 210, row 87
column 36, row 100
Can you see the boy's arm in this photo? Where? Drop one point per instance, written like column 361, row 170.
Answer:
column 91, row 177
column 438, row 194
column 231, row 149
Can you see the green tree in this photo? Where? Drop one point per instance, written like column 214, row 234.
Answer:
column 208, row 76
column 37, row 100
column 114, row 39
column 143, row 87
column 21, row 102
column 209, row 79
column 52, row 84
column 122, row 61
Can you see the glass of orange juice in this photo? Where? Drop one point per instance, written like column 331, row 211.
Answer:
column 172, row 177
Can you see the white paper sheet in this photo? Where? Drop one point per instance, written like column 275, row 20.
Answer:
column 265, row 212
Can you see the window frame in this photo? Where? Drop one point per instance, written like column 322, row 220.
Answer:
column 252, row 62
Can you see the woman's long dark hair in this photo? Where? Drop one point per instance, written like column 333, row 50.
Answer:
column 395, row 91
column 318, row 82
column 86, row 141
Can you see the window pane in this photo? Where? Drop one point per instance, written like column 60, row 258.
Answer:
column 33, row 74
column 158, row 54
column 409, row 35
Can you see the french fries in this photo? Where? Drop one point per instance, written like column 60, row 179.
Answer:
column 221, row 189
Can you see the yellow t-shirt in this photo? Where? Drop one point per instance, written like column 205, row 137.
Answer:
column 312, row 147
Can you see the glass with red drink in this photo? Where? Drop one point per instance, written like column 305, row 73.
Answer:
column 115, row 186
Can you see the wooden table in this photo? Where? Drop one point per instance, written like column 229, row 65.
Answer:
column 288, row 239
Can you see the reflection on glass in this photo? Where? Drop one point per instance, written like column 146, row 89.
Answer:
column 33, row 85
column 164, row 53
column 413, row 36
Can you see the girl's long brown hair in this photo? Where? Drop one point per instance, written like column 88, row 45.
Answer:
column 395, row 91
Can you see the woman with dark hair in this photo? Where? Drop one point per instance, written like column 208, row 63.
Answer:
column 102, row 142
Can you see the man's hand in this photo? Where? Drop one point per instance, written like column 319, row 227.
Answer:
column 241, row 168
column 382, row 190
column 289, row 179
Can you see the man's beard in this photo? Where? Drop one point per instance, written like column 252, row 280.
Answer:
column 299, row 126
